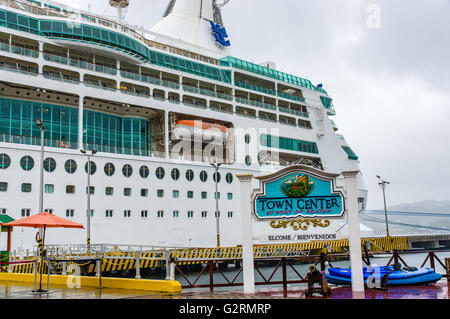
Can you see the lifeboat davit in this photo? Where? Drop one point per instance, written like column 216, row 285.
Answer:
column 200, row 131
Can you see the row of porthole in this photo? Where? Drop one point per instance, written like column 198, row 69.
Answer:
column 27, row 163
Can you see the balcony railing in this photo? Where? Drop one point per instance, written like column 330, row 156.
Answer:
column 14, row 67
column 36, row 140
column 79, row 64
column 118, row 149
column 18, row 50
column 255, row 103
column 294, row 112
column 254, row 88
column 290, row 97
column 206, row 92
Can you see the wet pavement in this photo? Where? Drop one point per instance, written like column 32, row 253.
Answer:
column 11, row 290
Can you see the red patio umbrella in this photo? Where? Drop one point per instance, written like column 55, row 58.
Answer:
column 43, row 220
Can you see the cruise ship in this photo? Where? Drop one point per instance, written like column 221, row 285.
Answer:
column 153, row 109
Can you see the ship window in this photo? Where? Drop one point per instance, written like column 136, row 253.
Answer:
column 109, row 169
column 190, row 194
column 175, row 174
column 109, row 191
column 91, row 190
column 189, row 175
column 26, row 188
column 217, row 214
column 49, row 164
column 160, row 173
column 127, row 213
column 230, row 196
column 204, row 195
column 5, row 161
column 190, row 214
column 160, row 214
column 175, row 194
column 204, row 214
column 160, row 193
column 69, row 212
column 217, row 195
column 92, row 169
column 144, row 192
column 70, row 166
column 229, row 178
column 230, row 214
column 25, row 212
column 27, row 163
column 144, row 171
column 203, row 176
column 176, row 214
column 109, row 213
column 3, row 186
column 127, row 191
column 49, row 188
column 218, row 177
column 248, row 160
column 127, row 170
column 70, row 189
column 144, row 213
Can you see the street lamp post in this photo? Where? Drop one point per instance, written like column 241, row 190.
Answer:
column 383, row 184
column 216, row 178
column 88, row 228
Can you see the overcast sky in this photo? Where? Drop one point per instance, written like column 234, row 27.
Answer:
column 389, row 78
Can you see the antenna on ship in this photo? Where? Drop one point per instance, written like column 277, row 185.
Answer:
column 120, row 5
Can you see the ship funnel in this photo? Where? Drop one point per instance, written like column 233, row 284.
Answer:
column 194, row 22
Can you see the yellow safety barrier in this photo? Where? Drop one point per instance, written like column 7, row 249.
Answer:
column 120, row 261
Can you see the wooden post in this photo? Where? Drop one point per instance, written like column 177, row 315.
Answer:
column 211, row 277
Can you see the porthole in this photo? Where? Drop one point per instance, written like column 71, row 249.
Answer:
column 189, row 175
column 49, row 164
column 160, row 173
column 248, row 160
column 144, row 171
column 93, row 168
column 218, row 177
column 5, row 161
column 27, row 163
column 109, row 169
column 70, row 166
column 127, row 170
column 175, row 173
column 247, row 138
column 229, row 178
column 203, row 176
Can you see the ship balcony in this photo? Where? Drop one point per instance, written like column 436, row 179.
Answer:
column 19, row 50
column 293, row 112
column 305, row 124
column 242, row 111
column 195, row 102
column 36, row 140
column 221, row 107
column 255, row 103
column 287, row 120
column 269, row 117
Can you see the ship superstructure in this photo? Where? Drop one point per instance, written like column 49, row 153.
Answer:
column 159, row 106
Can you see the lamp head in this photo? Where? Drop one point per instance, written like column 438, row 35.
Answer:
column 94, row 152
column 83, row 151
column 39, row 123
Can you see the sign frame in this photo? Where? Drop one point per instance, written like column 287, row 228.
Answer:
column 284, row 173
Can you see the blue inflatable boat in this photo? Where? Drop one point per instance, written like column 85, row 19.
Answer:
column 396, row 276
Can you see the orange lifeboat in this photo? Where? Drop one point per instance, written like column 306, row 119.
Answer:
column 199, row 130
